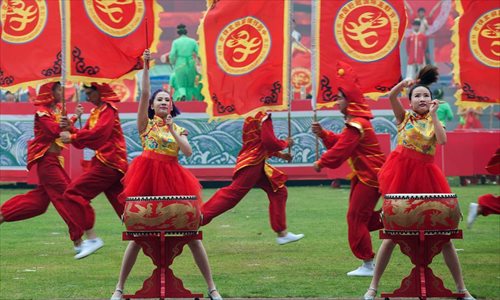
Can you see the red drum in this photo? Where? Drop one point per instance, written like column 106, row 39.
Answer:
column 162, row 213
column 420, row 212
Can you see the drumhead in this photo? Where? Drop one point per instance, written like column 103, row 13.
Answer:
column 420, row 196
column 161, row 198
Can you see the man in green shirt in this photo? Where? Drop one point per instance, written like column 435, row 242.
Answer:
column 182, row 55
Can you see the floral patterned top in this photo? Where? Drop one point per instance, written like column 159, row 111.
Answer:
column 416, row 132
column 157, row 137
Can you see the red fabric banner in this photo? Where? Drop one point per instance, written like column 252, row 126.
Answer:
column 30, row 43
column 476, row 55
column 126, row 90
column 104, row 40
column 244, row 53
column 109, row 37
column 365, row 34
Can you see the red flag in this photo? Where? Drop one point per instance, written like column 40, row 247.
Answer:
column 126, row 90
column 109, row 37
column 476, row 55
column 30, row 43
column 104, row 40
column 365, row 34
column 244, row 50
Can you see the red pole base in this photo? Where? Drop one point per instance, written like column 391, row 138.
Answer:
column 162, row 250
column 421, row 248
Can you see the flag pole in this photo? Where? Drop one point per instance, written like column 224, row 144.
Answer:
column 288, row 72
column 314, row 53
column 147, row 40
column 77, row 93
column 492, row 113
column 63, row 56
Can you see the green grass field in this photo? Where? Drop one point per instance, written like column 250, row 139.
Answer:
column 36, row 255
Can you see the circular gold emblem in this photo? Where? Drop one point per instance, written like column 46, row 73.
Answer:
column 117, row 18
column 301, row 77
column 22, row 21
column 484, row 38
column 122, row 91
column 242, row 46
column 367, row 31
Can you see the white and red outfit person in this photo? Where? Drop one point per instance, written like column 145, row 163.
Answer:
column 253, row 170
column 358, row 144
column 103, row 134
column 44, row 151
column 416, row 45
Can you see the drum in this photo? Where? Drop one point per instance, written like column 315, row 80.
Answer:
column 420, row 212
column 162, row 213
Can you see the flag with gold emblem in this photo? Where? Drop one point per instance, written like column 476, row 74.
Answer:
column 107, row 38
column 30, row 43
column 125, row 89
column 244, row 49
column 365, row 34
column 103, row 40
column 476, row 53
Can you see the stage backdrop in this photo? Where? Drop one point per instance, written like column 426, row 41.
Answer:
column 216, row 144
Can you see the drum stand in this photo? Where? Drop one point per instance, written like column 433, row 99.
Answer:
column 421, row 246
column 162, row 249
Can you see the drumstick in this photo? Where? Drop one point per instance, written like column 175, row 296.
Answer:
column 170, row 105
column 170, row 108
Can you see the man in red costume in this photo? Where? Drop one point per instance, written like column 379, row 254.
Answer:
column 103, row 134
column 358, row 144
column 44, row 150
column 252, row 169
column 488, row 204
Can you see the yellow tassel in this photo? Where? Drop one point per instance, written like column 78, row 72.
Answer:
column 61, row 160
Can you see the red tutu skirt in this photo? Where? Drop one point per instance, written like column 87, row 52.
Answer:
column 153, row 174
column 407, row 171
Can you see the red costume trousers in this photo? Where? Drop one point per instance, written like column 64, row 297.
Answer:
column 490, row 204
column 244, row 180
column 53, row 181
column 99, row 178
column 361, row 218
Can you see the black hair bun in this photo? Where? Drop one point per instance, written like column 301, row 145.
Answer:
column 428, row 75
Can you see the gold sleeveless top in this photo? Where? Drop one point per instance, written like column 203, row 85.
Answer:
column 157, row 138
column 416, row 132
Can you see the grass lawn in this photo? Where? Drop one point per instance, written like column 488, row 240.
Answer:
column 36, row 255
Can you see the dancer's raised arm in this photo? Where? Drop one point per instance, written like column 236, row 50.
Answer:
column 397, row 107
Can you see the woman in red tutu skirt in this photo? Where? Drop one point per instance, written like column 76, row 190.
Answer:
column 410, row 168
column 157, row 172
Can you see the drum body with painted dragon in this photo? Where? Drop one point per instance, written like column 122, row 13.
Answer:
column 162, row 213
column 420, row 212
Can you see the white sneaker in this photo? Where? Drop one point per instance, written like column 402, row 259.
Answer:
column 117, row 295
column 361, row 271
column 88, row 247
column 471, row 217
column 77, row 248
column 288, row 238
